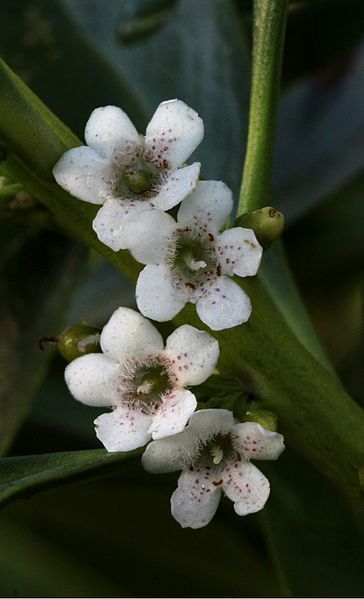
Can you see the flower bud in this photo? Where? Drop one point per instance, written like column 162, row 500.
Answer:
column 266, row 419
column 267, row 224
column 78, row 340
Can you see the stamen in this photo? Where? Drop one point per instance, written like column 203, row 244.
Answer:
column 145, row 387
column 195, row 264
column 217, row 454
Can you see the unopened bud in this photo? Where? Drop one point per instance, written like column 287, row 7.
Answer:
column 265, row 418
column 78, row 340
column 267, row 224
column 75, row 341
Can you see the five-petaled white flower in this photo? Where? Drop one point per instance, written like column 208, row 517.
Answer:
column 214, row 454
column 191, row 261
column 128, row 172
column 141, row 381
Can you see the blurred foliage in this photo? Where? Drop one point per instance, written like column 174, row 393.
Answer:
column 37, row 274
column 97, row 538
column 128, row 546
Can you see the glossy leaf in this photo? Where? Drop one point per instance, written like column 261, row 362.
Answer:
column 130, row 541
column 203, row 61
column 37, row 275
column 318, row 537
column 22, row 476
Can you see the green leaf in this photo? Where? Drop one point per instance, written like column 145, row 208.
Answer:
column 22, row 476
column 335, row 232
column 37, row 274
column 316, row 536
column 33, row 564
column 28, row 122
column 203, row 61
column 320, row 137
column 277, row 278
column 124, row 531
column 48, row 50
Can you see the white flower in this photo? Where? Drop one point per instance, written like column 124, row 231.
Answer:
column 128, row 172
column 214, row 455
column 141, row 381
column 190, row 261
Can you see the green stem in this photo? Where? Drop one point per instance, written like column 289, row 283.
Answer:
column 268, row 40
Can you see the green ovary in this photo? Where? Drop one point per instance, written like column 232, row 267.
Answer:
column 150, row 382
column 137, row 180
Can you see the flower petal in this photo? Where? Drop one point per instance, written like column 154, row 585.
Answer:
column 225, row 306
column 239, row 252
column 246, row 486
column 176, row 186
column 173, row 413
column 170, row 453
column 129, row 336
column 124, row 429
column 111, row 218
column 193, row 354
column 83, row 174
column 156, row 296
column 195, row 501
column 110, row 132
column 257, row 443
column 94, row 380
column 173, row 133
column 207, row 423
column 207, row 208
column 150, row 236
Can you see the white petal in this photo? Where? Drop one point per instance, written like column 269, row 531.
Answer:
column 150, row 236
column 124, row 429
column 170, row 453
column 239, row 252
column 111, row 218
column 208, row 207
column 111, row 133
column 83, row 174
column 195, row 501
column 246, row 486
column 129, row 336
column 193, row 353
column 173, row 134
column 225, row 306
column 94, row 380
column 173, row 413
column 257, row 443
column 206, row 423
column 176, row 186
column 156, row 296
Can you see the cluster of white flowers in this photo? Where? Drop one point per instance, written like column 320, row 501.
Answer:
column 137, row 179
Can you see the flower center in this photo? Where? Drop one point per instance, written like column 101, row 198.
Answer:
column 137, row 180
column 217, row 450
column 149, row 382
column 194, row 260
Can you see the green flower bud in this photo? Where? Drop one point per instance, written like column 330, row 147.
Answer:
column 265, row 418
column 78, row 340
column 137, row 180
column 267, row 224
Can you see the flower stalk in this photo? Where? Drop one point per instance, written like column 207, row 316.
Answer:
column 268, row 40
